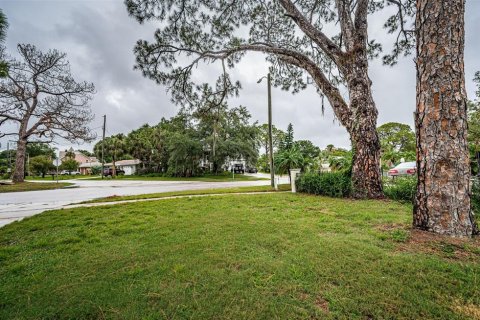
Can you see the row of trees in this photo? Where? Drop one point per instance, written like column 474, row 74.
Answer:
column 40, row 160
column 293, row 38
column 181, row 145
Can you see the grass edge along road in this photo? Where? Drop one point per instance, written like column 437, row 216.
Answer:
column 32, row 186
column 281, row 187
column 276, row 255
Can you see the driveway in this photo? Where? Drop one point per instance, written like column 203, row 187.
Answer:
column 18, row 205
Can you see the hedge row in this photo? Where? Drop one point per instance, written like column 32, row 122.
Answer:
column 331, row 184
column 338, row 184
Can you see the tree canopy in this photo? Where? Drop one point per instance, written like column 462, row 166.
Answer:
column 293, row 36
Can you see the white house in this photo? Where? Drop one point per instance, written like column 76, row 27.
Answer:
column 129, row 166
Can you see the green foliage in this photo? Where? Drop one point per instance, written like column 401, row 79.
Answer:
column 40, row 149
column 397, row 141
column 309, row 152
column 70, row 165
column 401, row 189
column 177, row 146
column 263, row 163
column 338, row 159
column 269, row 252
column 277, row 137
column 474, row 134
column 288, row 159
column 331, row 184
column 226, row 134
column 41, row 165
column 115, row 148
column 302, row 154
column 96, row 170
column 288, row 140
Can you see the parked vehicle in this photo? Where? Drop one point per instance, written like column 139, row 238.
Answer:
column 109, row 172
column 403, row 169
column 252, row 170
column 73, row 173
column 238, row 168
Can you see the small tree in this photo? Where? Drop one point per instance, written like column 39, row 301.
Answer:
column 397, row 140
column 309, row 152
column 96, row 170
column 70, row 165
column 288, row 159
column 41, row 165
column 288, row 139
column 40, row 95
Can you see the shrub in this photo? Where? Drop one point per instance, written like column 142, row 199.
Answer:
column 401, row 189
column 332, row 184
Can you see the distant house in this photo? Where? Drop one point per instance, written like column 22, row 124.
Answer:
column 129, row 166
column 79, row 157
column 86, row 168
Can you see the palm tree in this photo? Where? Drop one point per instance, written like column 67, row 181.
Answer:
column 288, row 159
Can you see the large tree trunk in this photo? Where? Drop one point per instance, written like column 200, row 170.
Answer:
column 366, row 170
column 442, row 203
column 19, row 171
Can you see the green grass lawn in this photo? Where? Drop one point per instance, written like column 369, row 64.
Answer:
column 271, row 256
column 32, row 186
column 204, row 178
column 281, row 187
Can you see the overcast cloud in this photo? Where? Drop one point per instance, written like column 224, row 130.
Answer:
column 98, row 37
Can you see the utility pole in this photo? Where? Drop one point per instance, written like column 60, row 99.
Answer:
column 103, row 144
column 270, row 142
column 9, row 158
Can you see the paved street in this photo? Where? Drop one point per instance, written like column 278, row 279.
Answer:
column 17, row 205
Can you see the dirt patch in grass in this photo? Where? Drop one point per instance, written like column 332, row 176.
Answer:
column 322, row 304
column 467, row 309
column 444, row 246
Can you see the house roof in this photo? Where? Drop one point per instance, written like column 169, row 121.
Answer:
column 125, row 162
column 90, row 164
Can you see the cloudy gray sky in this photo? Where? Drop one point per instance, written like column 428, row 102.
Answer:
column 98, row 37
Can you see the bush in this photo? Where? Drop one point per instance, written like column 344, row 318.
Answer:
column 332, row 184
column 401, row 189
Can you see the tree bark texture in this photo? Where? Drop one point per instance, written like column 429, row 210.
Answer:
column 366, row 169
column 19, row 171
column 442, row 202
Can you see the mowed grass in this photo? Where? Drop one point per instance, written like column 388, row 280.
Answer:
column 271, row 256
column 32, row 186
column 281, row 187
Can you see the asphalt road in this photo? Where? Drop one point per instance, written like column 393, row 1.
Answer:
column 18, row 205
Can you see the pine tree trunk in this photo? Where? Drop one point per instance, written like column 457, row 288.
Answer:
column 366, row 170
column 19, row 171
column 442, row 203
